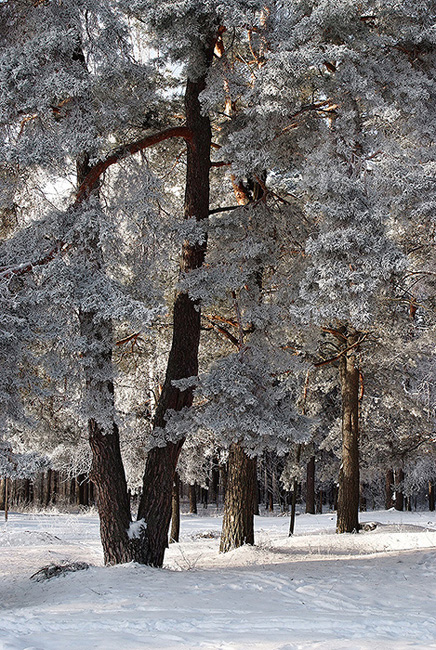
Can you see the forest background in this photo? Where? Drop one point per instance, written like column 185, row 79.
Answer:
column 217, row 257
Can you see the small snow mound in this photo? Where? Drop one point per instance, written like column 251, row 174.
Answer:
column 207, row 534
column 136, row 528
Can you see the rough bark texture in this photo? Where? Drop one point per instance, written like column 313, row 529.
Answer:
column 238, row 521
column 310, row 486
column 155, row 503
column 175, row 510
column 348, row 497
column 107, row 466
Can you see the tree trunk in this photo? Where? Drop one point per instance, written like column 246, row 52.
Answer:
column 389, row 489
column 348, row 497
column 6, row 498
column 215, row 481
column 175, row 510
column 310, row 486
column 155, row 503
column 2, row 493
column 431, row 499
column 107, row 467
column 293, row 507
column 193, row 499
column 238, row 521
column 399, row 496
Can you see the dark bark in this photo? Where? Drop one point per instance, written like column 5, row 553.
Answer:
column 155, row 503
column 112, row 497
column 193, row 499
column 238, row 521
column 293, row 507
column 175, row 510
column 215, row 481
column 431, row 499
column 107, row 466
column 389, row 489
column 319, row 502
column 310, row 486
column 399, row 496
column 348, row 497
column 6, row 504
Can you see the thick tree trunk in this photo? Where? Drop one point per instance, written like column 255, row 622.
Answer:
column 238, row 521
column 348, row 497
column 175, row 510
column 155, row 503
column 107, row 467
column 310, row 486
column 389, row 489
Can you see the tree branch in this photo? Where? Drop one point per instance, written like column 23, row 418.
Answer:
column 124, row 151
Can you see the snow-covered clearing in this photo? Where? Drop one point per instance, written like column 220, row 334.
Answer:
column 371, row 591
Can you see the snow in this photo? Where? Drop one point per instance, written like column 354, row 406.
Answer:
column 318, row 590
column 135, row 528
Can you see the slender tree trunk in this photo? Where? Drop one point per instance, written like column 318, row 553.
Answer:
column 2, row 493
column 193, row 499
column 6, row 498
column 215, row 480
column 175, row 510
column 399, row 495
column 389, row 489
column 238, row 521
column 431, row 499
column 293, row 507
column 319, row 502
column 348, row 497
column 155, row 503
column 310, row 486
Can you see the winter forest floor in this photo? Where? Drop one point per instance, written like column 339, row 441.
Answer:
column 371, row 591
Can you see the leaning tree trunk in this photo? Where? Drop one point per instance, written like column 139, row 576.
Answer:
column 348, row 497
column 155, row 503
column 238, row 522
column 107, row 467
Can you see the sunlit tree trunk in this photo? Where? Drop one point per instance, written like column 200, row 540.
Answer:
column 348, row 497
column 238, row 521
column 155, row 503
column 107, row 467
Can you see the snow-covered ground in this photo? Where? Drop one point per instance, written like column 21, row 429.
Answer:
column 371, row 591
